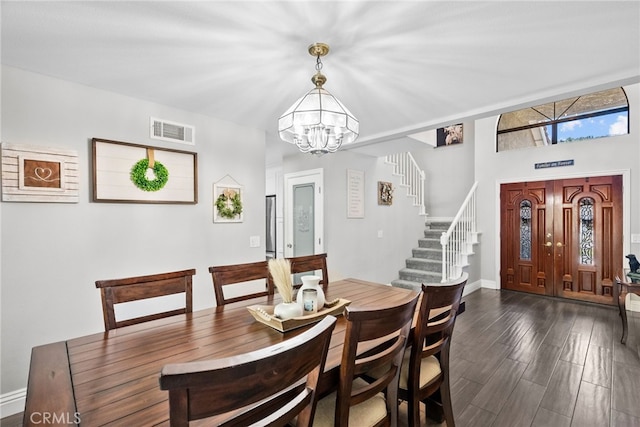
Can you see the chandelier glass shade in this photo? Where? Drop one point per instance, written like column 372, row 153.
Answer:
column 318, row 122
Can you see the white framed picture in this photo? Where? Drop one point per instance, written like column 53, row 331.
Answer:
column 227, row 203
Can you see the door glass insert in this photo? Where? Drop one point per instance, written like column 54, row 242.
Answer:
column 586, row 231
column 303, row 221
column 525, row 230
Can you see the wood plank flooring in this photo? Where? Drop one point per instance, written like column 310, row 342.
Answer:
column 526, row 360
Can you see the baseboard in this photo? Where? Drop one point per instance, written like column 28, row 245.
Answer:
column 471, row 287
column 13, row 402
column 490, row 284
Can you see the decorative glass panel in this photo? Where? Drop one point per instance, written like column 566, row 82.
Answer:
column 586, row 231
column 525, row 230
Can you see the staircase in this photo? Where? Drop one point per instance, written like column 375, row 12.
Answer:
column 425, row 264
column 444, row 250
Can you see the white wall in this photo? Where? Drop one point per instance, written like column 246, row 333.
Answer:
column 352, row 244
column 615, row 155
column 449, row 174
column 53, row 253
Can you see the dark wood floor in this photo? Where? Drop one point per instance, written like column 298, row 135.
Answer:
column 524, row 360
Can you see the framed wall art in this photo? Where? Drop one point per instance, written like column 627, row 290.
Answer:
column 449, row 135
column 385, row 193
column 227, row 202
column 131, row 173
column 355, row 193
column 39, row 174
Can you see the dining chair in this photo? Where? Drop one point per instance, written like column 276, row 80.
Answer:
column 267, row 387
column 385, row 332
column 241, row 275
column 309, row 264
column 425, row 368
column 117, row 291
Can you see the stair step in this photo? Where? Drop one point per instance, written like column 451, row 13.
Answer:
column 425, row 264
column 433, row 234
column 427, row 253
column 427, row 242
column 422, row 276
column 407, row 284
column 438, row 225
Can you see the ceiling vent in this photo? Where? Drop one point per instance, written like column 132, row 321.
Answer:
column 171, row 131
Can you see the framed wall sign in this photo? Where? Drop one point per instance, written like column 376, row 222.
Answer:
column 39, row 174
column 133, row 173
column 355, row 193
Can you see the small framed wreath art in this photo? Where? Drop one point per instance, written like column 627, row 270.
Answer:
column 227, row 203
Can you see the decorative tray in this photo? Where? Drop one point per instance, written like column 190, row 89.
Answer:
column 264, row 314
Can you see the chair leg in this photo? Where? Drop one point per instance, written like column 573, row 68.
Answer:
column 413, row 412
column 447, row 408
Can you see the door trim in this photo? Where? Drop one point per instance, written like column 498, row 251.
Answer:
column 626, row 208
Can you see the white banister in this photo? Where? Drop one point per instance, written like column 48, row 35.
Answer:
column 411, row 177
column 458, row 239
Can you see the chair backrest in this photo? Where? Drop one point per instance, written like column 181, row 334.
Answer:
column 116, row 291
column 310, row 264
column 390, row 325
column 434, row 324
column 265, row 387
column 236, row 274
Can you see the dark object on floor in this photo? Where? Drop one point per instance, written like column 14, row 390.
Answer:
column 634, row 264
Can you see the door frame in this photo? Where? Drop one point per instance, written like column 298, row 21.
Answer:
column 626, row 208
column 315, row 176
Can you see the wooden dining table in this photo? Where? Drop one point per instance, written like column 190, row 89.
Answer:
column 111, row 378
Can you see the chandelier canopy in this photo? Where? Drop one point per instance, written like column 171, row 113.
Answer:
column 318, row 123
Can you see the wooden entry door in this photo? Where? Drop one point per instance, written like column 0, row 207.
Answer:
column 562, row 238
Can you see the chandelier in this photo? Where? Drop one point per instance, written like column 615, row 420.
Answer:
column 318, row 123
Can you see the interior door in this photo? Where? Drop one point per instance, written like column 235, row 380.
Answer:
column 304, row 213
column 562, row 238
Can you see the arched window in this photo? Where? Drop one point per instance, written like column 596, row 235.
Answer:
column 584, row 117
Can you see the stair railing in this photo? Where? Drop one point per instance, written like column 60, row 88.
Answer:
column 411, row 177
column 458, row 239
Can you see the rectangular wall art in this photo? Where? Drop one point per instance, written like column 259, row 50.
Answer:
column 39, row 174
column 449, row 135
column 355, row 193
column 133, row 173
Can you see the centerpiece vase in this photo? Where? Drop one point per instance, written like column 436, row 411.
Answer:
column 311, row 282
column 287, row 310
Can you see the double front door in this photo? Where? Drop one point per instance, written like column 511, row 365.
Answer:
column 562, row 238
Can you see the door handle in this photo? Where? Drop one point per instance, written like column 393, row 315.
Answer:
column 289, row 245
column 549, row 244
column 559, row 244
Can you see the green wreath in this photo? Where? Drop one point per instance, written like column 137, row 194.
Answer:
column 229, row 212
column 139, row 176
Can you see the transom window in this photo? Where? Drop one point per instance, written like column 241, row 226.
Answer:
column 584, row 117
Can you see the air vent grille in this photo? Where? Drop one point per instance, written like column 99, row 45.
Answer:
column 171, row 131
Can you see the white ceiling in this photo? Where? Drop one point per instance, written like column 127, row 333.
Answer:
column 400, row 67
